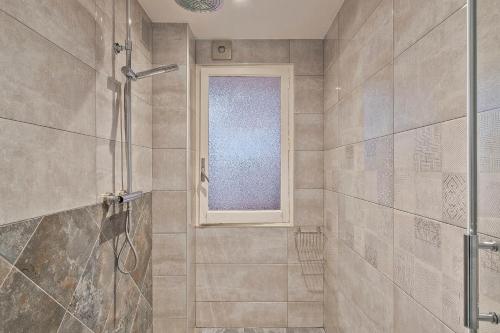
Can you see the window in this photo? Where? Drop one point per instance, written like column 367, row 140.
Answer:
column 245, row 148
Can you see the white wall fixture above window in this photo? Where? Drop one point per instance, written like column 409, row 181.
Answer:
column 245, row 163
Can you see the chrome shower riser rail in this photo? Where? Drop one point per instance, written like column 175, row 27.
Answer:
column 472, row 245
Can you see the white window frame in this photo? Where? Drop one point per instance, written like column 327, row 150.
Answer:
column 274, row 218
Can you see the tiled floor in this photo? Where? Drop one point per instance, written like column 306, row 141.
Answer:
column 260, row 330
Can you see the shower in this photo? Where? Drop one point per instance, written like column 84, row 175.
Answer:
column 128, row 196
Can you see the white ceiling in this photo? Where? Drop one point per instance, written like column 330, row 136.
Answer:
column 252, row 19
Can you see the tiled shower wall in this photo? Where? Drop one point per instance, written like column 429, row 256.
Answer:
column 61, row 134
column 251, row 277
column 173, row 230
column 395, row 164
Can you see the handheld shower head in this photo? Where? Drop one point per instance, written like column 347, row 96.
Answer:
column 150, row 72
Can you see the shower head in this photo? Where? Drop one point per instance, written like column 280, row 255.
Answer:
column 200, row 5
column 150, row 72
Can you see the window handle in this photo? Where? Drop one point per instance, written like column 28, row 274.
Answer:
column 203, row 173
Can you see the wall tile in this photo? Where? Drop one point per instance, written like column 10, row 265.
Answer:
column 489, row 263
column 308, row 208
column 169, row 298
column 241, row 283
column 412, row 19
column 169, row 169
column 303, row 287
column 166, row 325
column 308, row 92
column 66, row 238
column 353, row 15
column 75, row 33
column 5, row 268
column 370, row 293
column 169, row 211
column 143, row 322
column 169, row 128
column 71, row 325
column 308, row 169
column 331, row 44
column 26, row 308
column 14, row 236
column 121, row 318
column 109, row 113
column 247, row 51
column 93, row 297
column 367, row 228
column 305, row 314
column 142, row 160
column 170, row 43
column 65, row 163
column 169, row 254
column 241, row 245
column 411, row 317
column 331, row 131
column 24, row 82
column 369, row 50
column 142, row 118
column 428, row 88
column 308, row 133
column 234, row 314
column 364, row 170
column 307, row 56
column 430, row 171
column 488, row 28
column 367, row 112
column 428, row 265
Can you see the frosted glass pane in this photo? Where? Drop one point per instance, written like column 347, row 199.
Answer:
column 244, row 160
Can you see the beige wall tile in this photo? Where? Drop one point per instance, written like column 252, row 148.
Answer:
column 305, row 314
column 331, row 44
column 331, row 135
column 303, row 287
column 142, row 88
column 367, row 112
column 164, row 325
column 428, row 87
column 428, row 264
column 308, row 169
column 308, row 133
column 235, row 314
column 414, row 18
column 332, row 85
column 307, row 56
column 142, row 118
column 170, row 43
column 308, row 94
column 109, row 113
column 169, row 128
column 170, row 90
column 367, row 228
column 241, row 245
column 364, row 170
column 169, row 254
column 488, row 29
column 353, row 15
column 111, row 172
column 411, row 317
column 142, row 159
column 43, row 170
column 247, row 51
column 308, row 208
column 169, row 298
column 27, row 95
column 430, row 168
column 169, row 169
column 241, row 283
column 169, row 212
column 370, row 293
column 368, row 51
column 74, row 33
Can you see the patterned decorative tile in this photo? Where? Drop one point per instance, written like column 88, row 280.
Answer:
column 489, row 141
column 428, row 231
column 427, row 155
column 14, row 236
column 454, row 198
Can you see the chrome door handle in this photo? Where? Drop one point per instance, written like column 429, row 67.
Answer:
column 203, row 174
